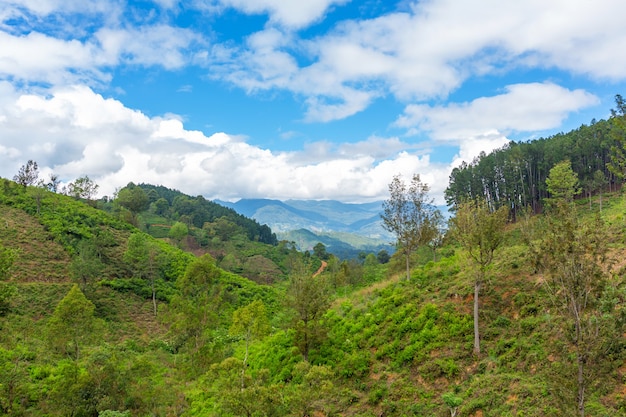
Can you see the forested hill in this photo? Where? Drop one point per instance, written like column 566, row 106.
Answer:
column 515, row 175
column 197, row 211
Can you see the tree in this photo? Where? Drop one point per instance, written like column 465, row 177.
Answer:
column 14, row 380
column 452, row 401
column 143, row 255
column 134, row 199
column 72, row 323
column 617, row 164
column 83, row 187
column 599, row 180
column 161, row 206
column 27, row 174
column 311, row 389
column 573, row 256
column 249, row 322
column 562, row 182
column 383, row 256
column 309, row 299
column 178, row 231
column 258, row 398
column 480, row 231
column 53, row 185
column 410, row 215
column 439, row 233
column 319, row 250
column 38, row 192
column 194, row 310
column 86, row 266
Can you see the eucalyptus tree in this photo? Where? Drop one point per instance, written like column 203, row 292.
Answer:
column 145, row 258
column 27, row 174
column 480, row 231
column 411, row 215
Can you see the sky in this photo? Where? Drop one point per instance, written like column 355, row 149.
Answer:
column 285, row 99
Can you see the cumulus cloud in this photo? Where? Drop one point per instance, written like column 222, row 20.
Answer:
column 431, row 50
column 75, row 132
column 66, row 42
column 521, row 108
column 484, row 123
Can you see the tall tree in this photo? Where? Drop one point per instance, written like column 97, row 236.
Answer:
column 480, row 231
column 27, row 174
column 249, row 322
column 194, row 311
column 178, row 231
column 309, row 298
column 143, row 255
column 410, row 214
column 617, row 164
column 573, row 255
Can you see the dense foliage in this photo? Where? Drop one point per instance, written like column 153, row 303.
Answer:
column 197, row 211
column 515, row 175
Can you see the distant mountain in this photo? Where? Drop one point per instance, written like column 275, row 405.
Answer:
column 316, row 216
column 342, row 227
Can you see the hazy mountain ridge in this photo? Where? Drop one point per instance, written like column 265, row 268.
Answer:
column 333, row 219
column 317, row 216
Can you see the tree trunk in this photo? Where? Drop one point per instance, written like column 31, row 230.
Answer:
column 580, row 362
column 581, row 386
column 305, row 349
column 408, row 269
column 154, row 305
column 477, row 286
column 245, row 363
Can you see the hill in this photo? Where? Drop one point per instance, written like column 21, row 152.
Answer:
column 376, row 345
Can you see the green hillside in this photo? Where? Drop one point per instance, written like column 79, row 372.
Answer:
column 102, row 313
column 391, row 347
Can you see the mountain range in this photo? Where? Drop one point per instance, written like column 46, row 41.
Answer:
column 344, row 228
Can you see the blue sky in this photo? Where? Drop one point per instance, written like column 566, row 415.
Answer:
column 314, row 99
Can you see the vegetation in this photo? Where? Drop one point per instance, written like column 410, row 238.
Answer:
column 312, row 334
column 480, row 231
column 515, row 175
column 411, row 216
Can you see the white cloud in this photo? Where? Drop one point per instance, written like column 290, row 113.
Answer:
column 157, row 45
column 38, row 57
column 47, row 7
column 289, row 13
column 432, row 50
column 74, row 131
column 521, row 108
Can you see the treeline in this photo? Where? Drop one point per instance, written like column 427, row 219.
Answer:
column 515, row 174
